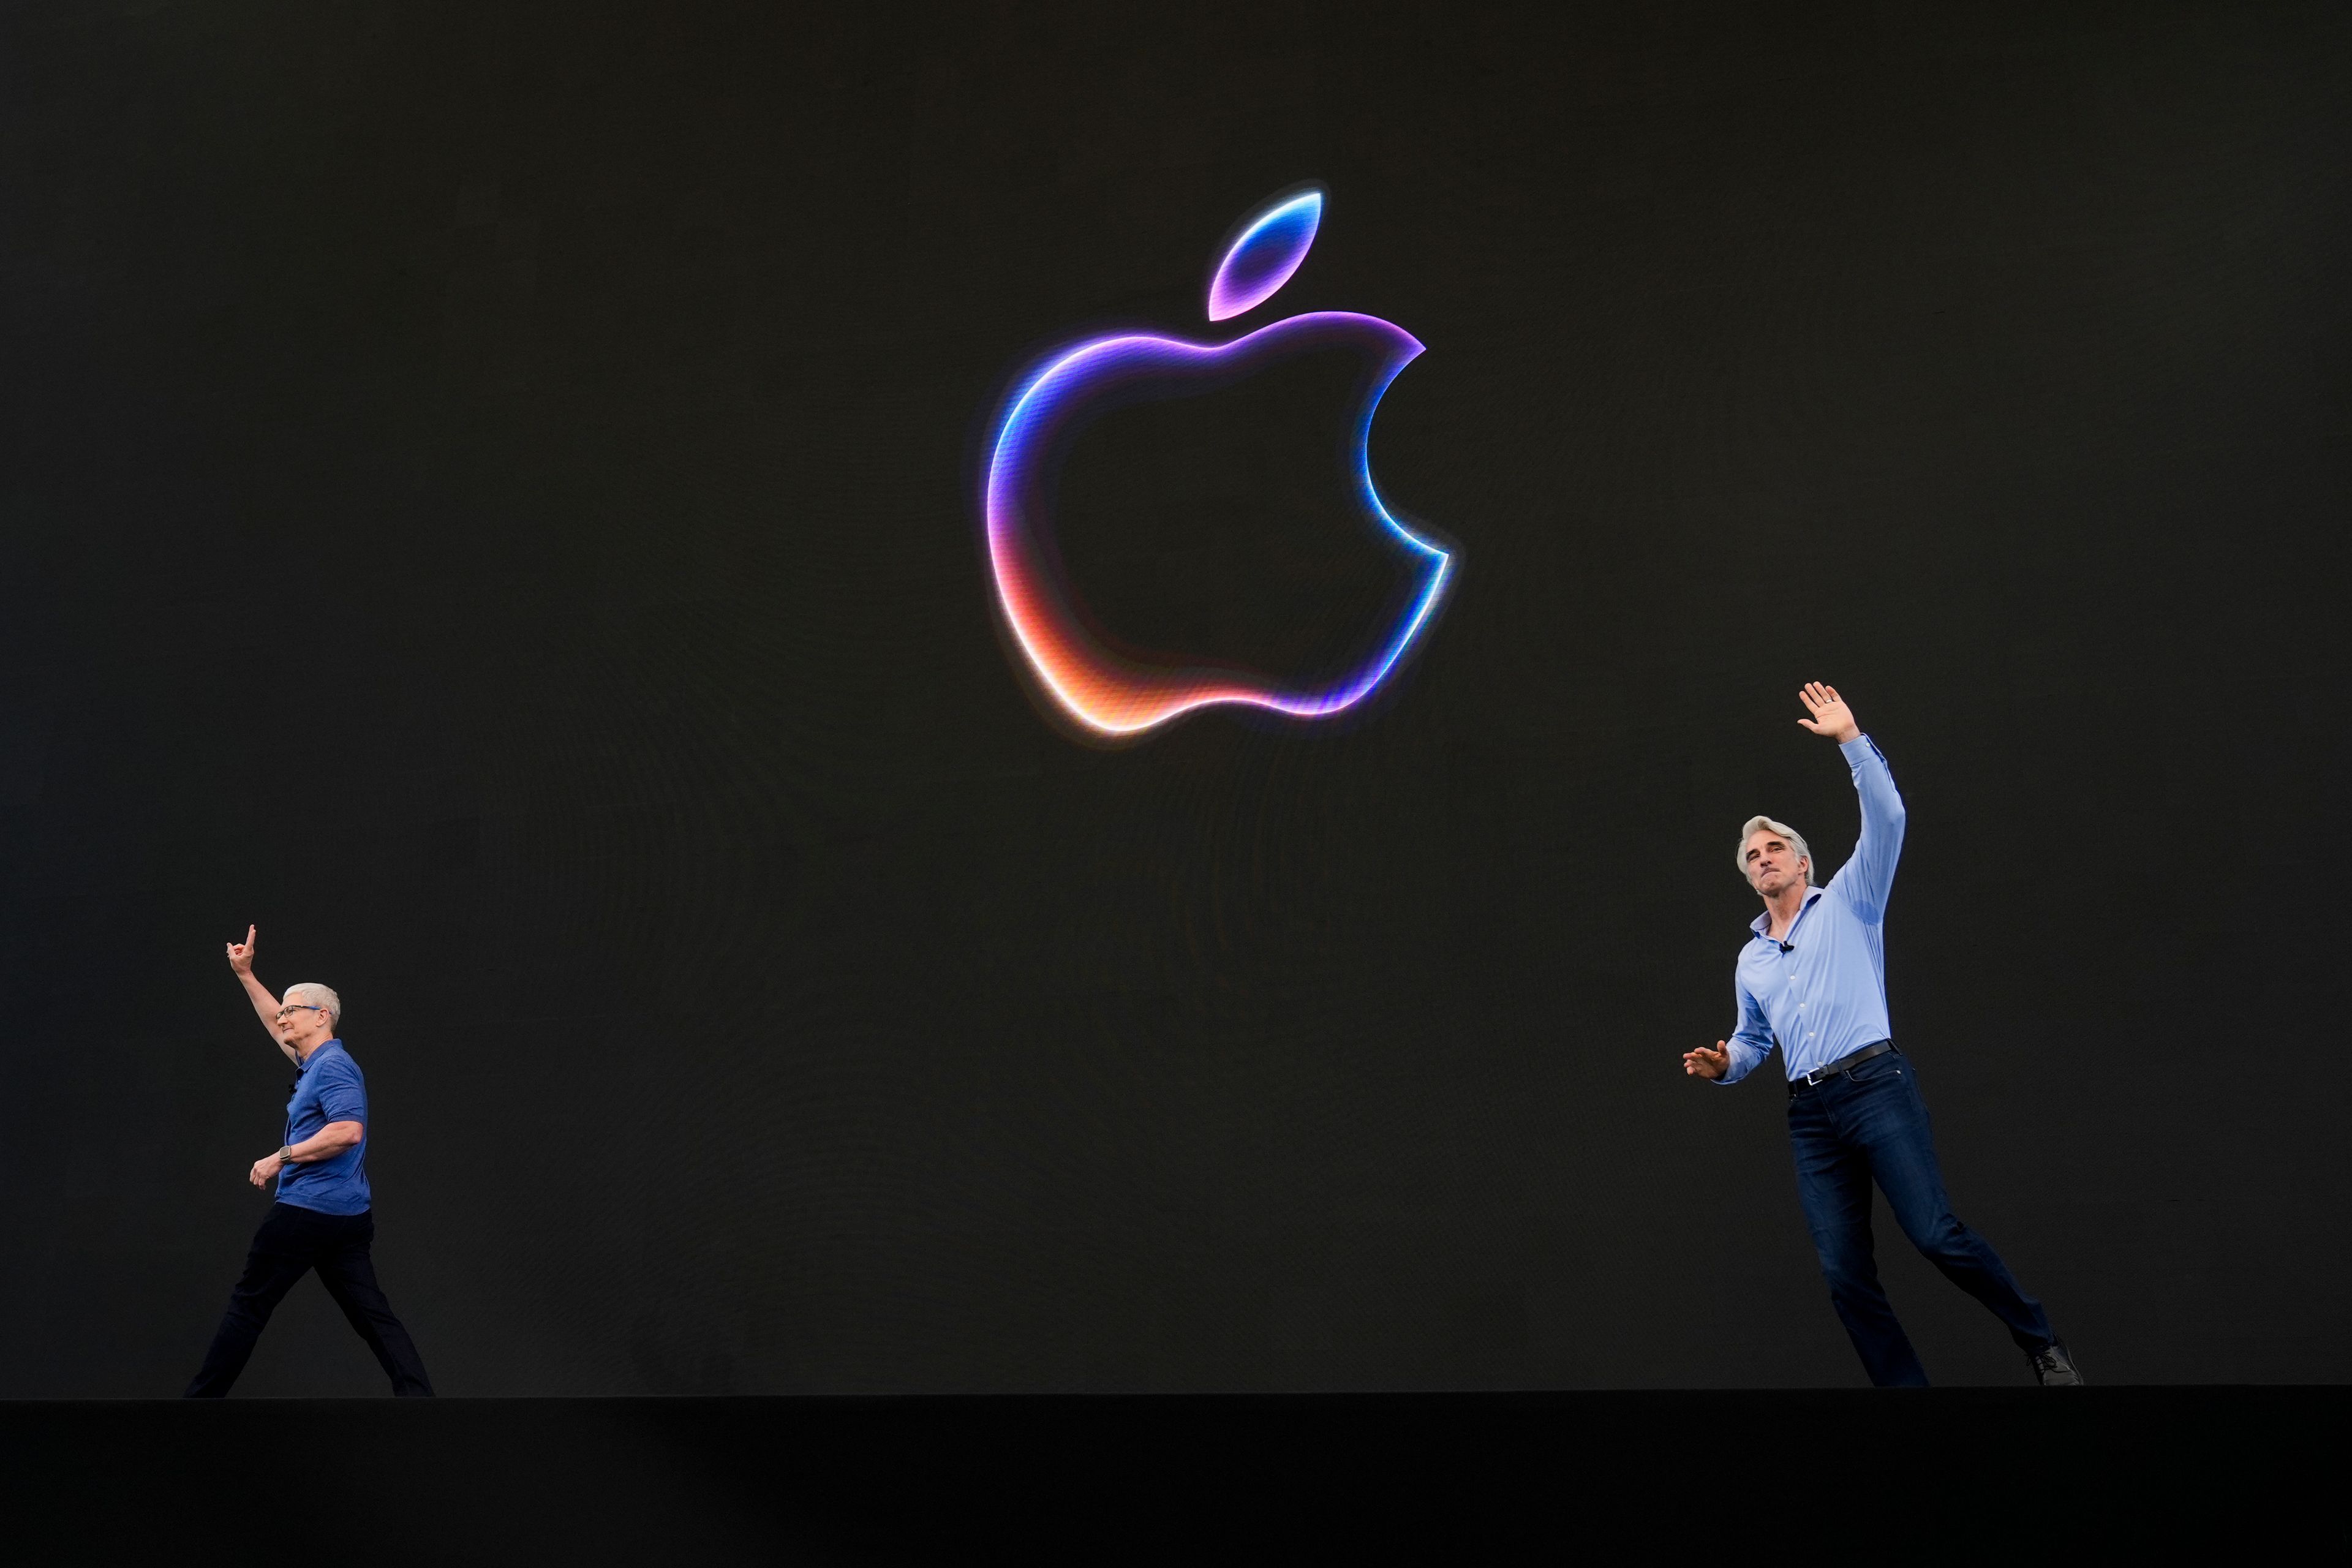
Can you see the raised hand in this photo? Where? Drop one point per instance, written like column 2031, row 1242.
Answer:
column 240, row 953
column 1704, row 1063
column 1830, row 716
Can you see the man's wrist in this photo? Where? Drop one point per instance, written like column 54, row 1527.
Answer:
column 286, row 1154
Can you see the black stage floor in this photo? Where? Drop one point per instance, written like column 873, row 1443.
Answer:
column 1827, row 1476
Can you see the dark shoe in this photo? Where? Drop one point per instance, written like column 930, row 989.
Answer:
column 2054, row 1367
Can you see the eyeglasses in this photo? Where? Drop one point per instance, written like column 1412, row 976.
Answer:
column 297, row 1007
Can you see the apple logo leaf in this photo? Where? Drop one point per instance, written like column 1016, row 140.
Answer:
column 1268, row 250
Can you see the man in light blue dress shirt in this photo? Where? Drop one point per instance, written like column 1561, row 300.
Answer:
column 1812, row 981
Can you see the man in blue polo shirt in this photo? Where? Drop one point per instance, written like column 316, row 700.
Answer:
column 321, row 1218
column 1812, row 981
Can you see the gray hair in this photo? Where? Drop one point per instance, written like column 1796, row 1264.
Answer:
column 310, row 993
column 1765, row 824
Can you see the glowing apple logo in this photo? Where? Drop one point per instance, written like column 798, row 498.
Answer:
column 1109, row 693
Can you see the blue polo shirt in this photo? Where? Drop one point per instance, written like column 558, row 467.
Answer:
column 327, row 1088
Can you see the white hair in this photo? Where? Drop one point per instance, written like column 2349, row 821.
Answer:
column 1766, row 825
column 310, row 993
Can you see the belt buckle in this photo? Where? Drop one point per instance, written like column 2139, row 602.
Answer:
column 1814, row 1078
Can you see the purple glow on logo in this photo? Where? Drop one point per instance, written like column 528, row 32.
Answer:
column 1109, row 692
column 1268, row 251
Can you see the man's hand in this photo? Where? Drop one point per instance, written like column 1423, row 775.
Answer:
column 1704, row 1063
column 265, row 1170
column 1830, row 716
column 265, row 1003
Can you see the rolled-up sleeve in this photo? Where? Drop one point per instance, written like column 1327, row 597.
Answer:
column 1751, row 1042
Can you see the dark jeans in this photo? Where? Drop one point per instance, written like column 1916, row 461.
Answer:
column 1869, row 1123
column 290, row 1243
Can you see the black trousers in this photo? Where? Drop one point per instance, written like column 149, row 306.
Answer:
column 290, row 1243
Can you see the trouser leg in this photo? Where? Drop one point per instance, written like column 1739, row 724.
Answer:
column 1833, row 1184
column 273, row 1266
column 1903, row 1157
column 349, row 1273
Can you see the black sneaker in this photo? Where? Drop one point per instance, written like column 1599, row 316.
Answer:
column 2054, row 1367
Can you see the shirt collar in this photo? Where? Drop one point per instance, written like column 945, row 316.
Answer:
column 1761, row 923
column 333, row 1044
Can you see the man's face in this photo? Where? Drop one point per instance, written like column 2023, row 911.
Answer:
column 300, row 1024
column 1773, row 868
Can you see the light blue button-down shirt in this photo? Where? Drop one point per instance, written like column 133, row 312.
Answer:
column 1824, row 996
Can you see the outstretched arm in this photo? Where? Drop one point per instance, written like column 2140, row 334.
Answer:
column 1736, row 1057
column 240, row 959
column 1868, row 876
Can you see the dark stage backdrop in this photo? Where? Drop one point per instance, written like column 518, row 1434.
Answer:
column 490, row 496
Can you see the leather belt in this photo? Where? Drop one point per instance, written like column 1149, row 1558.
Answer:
column 1853, row 1059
